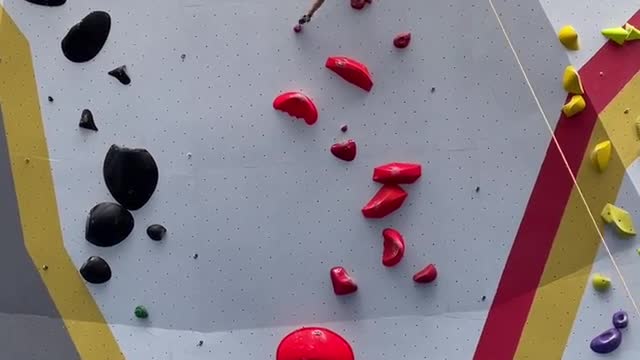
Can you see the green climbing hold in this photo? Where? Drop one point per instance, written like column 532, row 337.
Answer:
column 141, row 312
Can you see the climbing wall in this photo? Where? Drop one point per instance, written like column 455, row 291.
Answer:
column 160, row 206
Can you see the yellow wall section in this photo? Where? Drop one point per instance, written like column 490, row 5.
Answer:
column 36, row 199
column 576, row 244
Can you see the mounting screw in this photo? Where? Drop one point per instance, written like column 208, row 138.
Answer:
column 200, row 343
column 27, row 160
column 183, row 56
column 50, row 99
column 477, row 188
column 484, row 298
column 626, row 111
column 195, row 256
column 433, row 89
column 189, row 155
column 45, row 267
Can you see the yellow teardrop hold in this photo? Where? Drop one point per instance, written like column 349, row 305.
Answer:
column 574, row 106
column 600, row 282
column 601, row 155
column 571, row 81
column 632, row 32
column 612, row 214
column 568, row 37
column 617, row 35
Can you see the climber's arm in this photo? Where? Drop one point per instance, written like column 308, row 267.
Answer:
column 316, row 5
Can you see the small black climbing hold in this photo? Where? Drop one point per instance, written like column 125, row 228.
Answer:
column 48, row 2
column 195, row 256
column 156, row 232
column 200, row 343
column 478, row 189
column 86, row 120
column 120, row 73
column 484, row 298
column 50, row 98
column 108, row 224
column 344, row 128
column 131, row 176
column 96, row 270
column 433, row 89
column 86, row 38
column 183, row 56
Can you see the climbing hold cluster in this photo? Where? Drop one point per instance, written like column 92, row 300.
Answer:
column 568, row 37
column 390, row 197
column 619, row 218
column 314, row 343
column 610, row 340
column 572, row 84
column 620, row 35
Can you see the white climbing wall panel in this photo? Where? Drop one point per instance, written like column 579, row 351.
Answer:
column 259, row 198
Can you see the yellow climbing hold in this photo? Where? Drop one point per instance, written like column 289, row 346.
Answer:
column 601, row 155
column 632, row 32
column 601, row 282
column 612, row 214
column 571, row 81
column 574, row 106
column 638, row 127
column 568, row 37
column 617, row 35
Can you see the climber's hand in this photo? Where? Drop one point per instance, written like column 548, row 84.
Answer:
column 304, row 19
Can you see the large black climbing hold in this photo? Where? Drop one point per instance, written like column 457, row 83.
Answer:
column 108, row 224
column 95, row 270
column 156, row 232
column 86, row 120
column 131, row 176
column 86, row 38
column 120, row 73
column 48, row 2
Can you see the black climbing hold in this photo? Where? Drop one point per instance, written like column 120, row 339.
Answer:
column 86, row 38
column 108, row 224
column 50, row 98
column 156, row 232
column 484, row 298
column 433, row 89
column 195, row 256
column 86, row 120
column 477, row 188
column 120, row 73
column 131, row 176
column 200, row 343
column 95, row 270
column 183, row 56
column 48, row 2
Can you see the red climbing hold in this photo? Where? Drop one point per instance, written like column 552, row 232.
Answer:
column 387, row 200
column 314, row 343
column 402, row 40
column 297, row 105
column 393, row 247
column 358, row 4
column 297, row 28
column 345, row 150
column 397, row 173
column 343, row 284
column 351, row 70
column 426, row 275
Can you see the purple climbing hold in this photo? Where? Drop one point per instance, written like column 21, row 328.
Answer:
column 607, row 342
column 620, row 319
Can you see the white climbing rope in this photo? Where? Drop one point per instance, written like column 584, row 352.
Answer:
column 564, row 159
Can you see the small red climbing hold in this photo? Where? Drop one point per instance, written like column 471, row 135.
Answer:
column 343, row 284
column 387, row 200
column 393, row 247
column 314, row 343
column 351, row 70
column 297, row 105
column 297, row 28
column 358, row 4
column 397, row 173
column 402, row 40
column 426, row 275
column 345, row 150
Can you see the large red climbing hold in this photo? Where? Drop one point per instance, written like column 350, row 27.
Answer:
column 342, row 282
column 297, row 105
column 351, row 70
column 314, row 343
column 393, row 247
column 426, row 275
column 345, row 150
column 402, row 40
column 387, row 200
column 397, row 173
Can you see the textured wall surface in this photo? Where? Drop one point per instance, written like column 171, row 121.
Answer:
column 259, row 198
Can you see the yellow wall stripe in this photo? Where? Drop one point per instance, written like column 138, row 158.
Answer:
column 36, row 199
